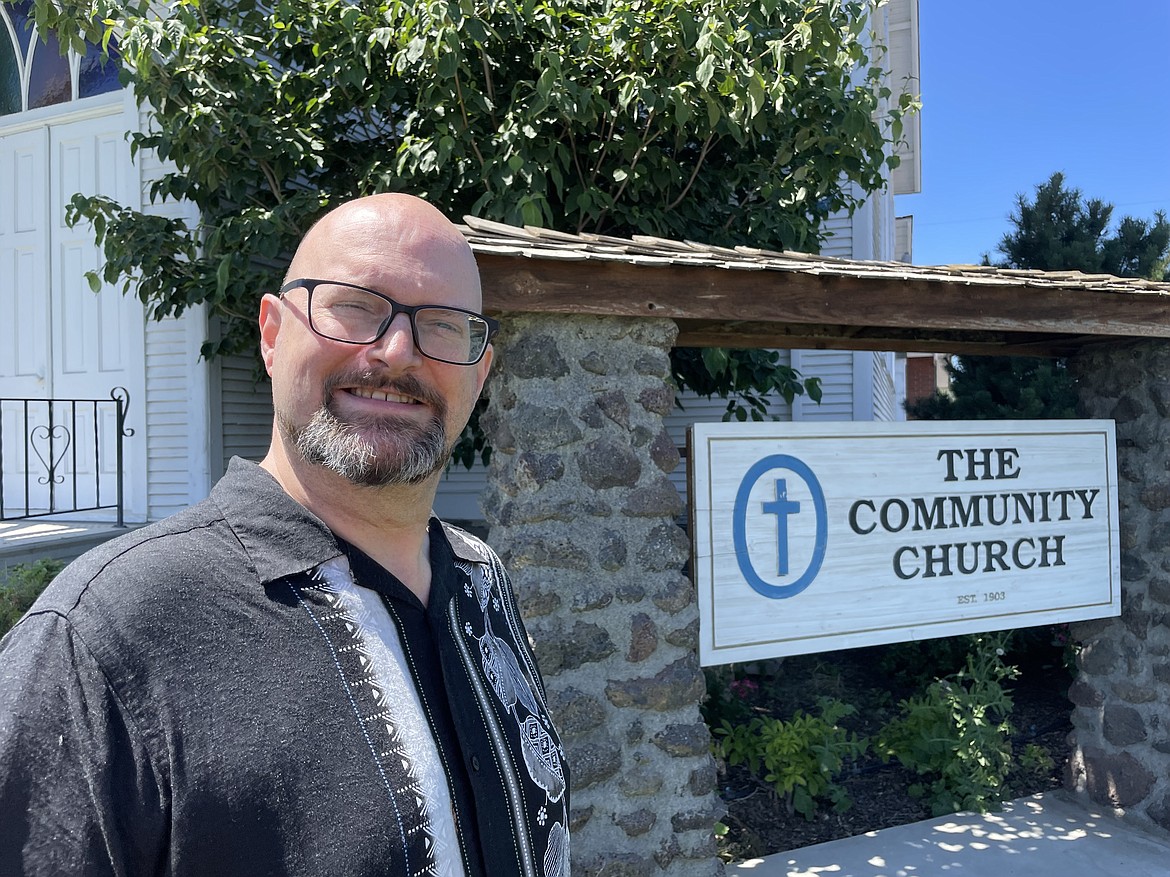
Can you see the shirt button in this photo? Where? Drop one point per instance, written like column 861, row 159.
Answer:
column 475, row 762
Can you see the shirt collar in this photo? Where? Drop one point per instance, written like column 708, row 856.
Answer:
column 281, row 536
column 464, row 545
column 284, row 538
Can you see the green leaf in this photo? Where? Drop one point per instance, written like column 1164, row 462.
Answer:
column 415, row 49
column 546, row 82
column 448, row 64
column 706, row 71
column 223, row 275
column 756, row 95
column 715, row 359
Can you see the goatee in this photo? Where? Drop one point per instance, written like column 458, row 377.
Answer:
column 371, row 450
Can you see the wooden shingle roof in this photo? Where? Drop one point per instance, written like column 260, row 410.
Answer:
column 748, row 297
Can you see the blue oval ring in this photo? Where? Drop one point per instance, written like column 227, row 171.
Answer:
column 739, row 526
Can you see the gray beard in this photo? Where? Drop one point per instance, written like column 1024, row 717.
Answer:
column 371, row 451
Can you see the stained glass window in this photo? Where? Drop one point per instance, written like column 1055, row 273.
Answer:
column 20, row 12
column 49, row 81
column 9, row 77
column 34, row 73
column 97, row 75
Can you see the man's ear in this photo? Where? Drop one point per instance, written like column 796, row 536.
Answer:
column 270, row 314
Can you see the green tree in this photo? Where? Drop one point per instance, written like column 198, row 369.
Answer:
column 1002, row 388
column 1058, row 230
column 720, row 122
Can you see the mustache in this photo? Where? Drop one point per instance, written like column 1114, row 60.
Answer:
column 404, row 385
column 369, row 449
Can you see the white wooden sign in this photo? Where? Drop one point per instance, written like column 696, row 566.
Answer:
column 814, row 537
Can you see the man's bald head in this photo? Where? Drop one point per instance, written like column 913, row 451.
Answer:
column 387, row 226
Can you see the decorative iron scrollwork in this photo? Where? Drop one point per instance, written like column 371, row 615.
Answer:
column 76, row 446
column 122, row 396
column 49, row 459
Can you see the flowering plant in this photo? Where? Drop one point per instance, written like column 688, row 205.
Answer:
column 744, row 689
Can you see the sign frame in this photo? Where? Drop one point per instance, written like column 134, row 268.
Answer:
column 898, row 512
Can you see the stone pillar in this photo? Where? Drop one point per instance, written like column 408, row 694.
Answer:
column 1121, row 720
column 584, row 516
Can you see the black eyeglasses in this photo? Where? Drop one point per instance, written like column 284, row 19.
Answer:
column 356, row 315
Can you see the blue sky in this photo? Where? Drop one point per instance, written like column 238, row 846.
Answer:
column 1013, row 90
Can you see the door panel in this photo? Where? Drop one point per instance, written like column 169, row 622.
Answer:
column 97, row 339
column 24, row 311
column 24, row 265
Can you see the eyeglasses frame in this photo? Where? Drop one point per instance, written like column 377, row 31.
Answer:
column 309, row 284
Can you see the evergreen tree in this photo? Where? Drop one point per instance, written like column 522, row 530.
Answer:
column 1058, row 230
column 1061, row 231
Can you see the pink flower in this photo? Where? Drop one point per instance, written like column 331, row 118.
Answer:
column 744, row 688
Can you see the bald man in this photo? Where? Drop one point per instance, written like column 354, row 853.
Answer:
column 307, row 673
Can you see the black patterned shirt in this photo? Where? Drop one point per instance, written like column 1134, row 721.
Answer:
column 218, row 693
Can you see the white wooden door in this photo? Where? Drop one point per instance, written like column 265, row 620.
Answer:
column 25, row 370
column 57, row 338
column 96, row 340
column 24, row 264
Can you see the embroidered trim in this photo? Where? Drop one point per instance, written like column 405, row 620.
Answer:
column 520, row 694
column 507, row 769
column 372, row 661
column 357, row 714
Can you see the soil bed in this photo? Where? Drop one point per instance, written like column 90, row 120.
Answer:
column 875, row 680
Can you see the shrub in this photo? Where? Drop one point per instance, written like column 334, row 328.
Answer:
column 728, row 697
column 956, row 736
column 25, row 583
column 800, row 758
column 916, row 664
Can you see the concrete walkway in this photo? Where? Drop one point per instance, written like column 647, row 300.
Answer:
column 1049, row 835
column 30, row 539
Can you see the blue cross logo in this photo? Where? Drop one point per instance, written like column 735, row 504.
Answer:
column 784, row 509
column 781, row 508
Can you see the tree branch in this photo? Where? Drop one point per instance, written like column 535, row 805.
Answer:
column 646, row 138
column 489, row 88
column 270, row 175
column 694, row 172
column 467, row 127
column 604, row 149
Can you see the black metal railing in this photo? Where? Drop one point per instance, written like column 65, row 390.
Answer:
column 61, row 456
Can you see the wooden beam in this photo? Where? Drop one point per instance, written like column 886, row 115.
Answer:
column 701, row 333
column 786, row 300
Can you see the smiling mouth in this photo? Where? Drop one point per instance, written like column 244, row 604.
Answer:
column 382, row 396
column 391, row 389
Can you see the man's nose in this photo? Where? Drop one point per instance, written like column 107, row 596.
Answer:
column 396, row 343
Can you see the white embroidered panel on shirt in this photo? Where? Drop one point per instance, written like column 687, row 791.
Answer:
column 518, row 690
column 398, row 725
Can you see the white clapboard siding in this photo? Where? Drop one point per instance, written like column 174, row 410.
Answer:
column 902, row 58
column 904, row 239
column 885, row 401
column 177, row 414
column 838, row 240
column 245, row 408
column 459, row 493
column 171, row 421
column 835, row 369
